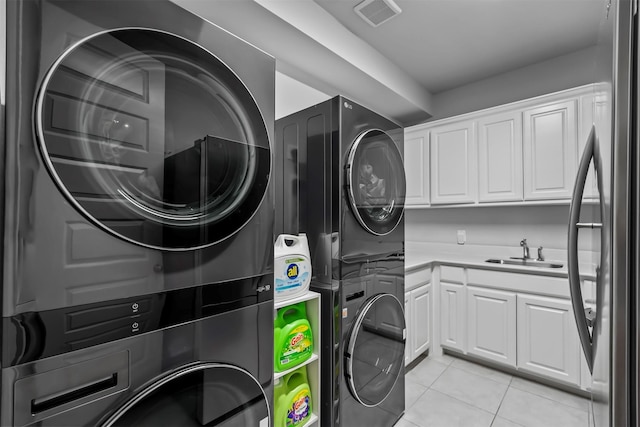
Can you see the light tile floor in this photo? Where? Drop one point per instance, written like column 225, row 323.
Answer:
column 446, row 391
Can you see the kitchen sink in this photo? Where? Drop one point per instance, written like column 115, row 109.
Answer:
column 525, row 262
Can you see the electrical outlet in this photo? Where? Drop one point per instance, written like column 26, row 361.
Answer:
column 462, row 237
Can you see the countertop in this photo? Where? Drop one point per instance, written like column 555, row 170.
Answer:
column 426, row 255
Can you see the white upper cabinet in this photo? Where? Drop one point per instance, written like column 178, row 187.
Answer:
column 500, row 157
column 526, row 151
column 587, row 109
column 590, row 106
column 453, row 163
column 416, row 167
column 550, row 151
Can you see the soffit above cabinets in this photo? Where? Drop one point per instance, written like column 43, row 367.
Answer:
column 312, row 47
column 397, row 67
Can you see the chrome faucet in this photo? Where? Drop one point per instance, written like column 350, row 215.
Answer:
column 525, row 249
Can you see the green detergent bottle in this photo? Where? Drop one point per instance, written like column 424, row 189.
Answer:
column 292, row 399
column 292, row 336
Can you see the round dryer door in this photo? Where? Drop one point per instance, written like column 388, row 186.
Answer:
column 376, row 182
column 153, row 138
column 375, row 350
column 206, row 394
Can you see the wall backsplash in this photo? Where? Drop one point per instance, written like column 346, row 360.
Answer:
column 500, row 226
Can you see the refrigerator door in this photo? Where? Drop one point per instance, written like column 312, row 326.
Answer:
column 607, row 334
column 612, row 368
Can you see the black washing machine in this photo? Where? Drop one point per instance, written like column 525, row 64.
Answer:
column 340, row 179
column 137, row 217
column 136, row 151
column 192, row 357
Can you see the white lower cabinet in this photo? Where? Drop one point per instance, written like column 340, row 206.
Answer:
column 408, row 320
column 496, row 316
column 421, row 300
column 491, row 324
column 452, row 316
column 417, row 303
column 548, row 338
column 589, row 300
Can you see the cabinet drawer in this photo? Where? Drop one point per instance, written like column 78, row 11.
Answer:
column 416, row 278
column 520, row 282
column 452, row 274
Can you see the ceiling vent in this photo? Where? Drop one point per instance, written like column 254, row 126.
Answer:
column 375, row 12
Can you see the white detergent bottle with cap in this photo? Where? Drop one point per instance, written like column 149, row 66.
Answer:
column 292, row 266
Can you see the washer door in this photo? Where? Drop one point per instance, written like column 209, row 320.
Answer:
column 376, row 182
column 375, row 350
column 153, row 138
column 205, row 394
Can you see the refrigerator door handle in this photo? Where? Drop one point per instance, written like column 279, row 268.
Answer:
column 583, row 322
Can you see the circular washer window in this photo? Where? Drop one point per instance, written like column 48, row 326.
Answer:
column 206, row 394
column 153, row 138
column 376, row 182
column 375, row 350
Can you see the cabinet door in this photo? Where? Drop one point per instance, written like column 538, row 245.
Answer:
column 589, row 301
column 408, row 318
column 550, row 151
column 491, row 324
column 500, row 158
column 416, row 167
column 421, row 307
column 453, row 163
column 452, row 316
column 548, row 338
column 585, row 121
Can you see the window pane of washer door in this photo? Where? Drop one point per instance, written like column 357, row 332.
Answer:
column 214, row 396
column 376, row 345
column 376, row 182
column 153, row 138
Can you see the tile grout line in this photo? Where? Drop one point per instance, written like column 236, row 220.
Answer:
column 467, row 403
column 462, row 401
column 550, row 399
column 510, row 386
column 501, row 401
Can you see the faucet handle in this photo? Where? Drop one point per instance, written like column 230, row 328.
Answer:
column 540, row 256
column 523, row 242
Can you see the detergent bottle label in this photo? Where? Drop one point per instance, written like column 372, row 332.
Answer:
column 297, row 347
column 293, row 275
column 299, row 408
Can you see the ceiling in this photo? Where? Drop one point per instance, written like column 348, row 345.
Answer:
column 396, row 68
column 443, row 44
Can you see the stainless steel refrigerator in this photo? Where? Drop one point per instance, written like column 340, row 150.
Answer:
column 609, row 329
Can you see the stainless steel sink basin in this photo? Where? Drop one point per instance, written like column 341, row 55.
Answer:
column 525, row 262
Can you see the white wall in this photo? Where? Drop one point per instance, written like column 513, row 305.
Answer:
column 563, row 72
column 497, row 226
column 293, row 95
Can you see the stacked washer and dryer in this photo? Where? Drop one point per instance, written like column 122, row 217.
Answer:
column 137, row 220
column 340, row 179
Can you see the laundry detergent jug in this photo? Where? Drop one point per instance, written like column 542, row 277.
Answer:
column 292, row 399
column 292, row 266
column 292, row 337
